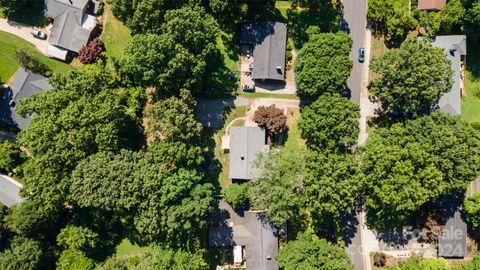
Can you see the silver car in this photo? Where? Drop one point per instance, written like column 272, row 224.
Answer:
column 38, row 34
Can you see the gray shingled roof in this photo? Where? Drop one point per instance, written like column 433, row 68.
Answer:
column 54, row 8
column 25, row 84
column 250, row 229
column 269, row 42
column 67, row 33
column 454, row 46
column 245, row 144
column 9, row 191
column 453, row 241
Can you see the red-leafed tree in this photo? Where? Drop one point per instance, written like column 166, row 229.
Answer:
column 272, row 118
column 91, row 52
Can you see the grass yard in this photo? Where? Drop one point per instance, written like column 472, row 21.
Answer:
column 225, row 43
column 9, row 44
column 283, row 6
column 269, row 95
column 115, row 35
column 378, row 48
column 126, row 248
column 219, row 169
column 294, row 140
column 471, row 103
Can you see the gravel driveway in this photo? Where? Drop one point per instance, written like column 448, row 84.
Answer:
column 23, row 31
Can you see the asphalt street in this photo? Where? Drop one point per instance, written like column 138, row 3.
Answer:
column 354, row 23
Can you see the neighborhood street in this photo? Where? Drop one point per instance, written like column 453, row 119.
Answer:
column 354, row 23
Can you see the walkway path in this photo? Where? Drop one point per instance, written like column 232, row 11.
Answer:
column 23, row 31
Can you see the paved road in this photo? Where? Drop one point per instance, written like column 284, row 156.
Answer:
column 354, row 23
column 9, row 191
column 23, row 31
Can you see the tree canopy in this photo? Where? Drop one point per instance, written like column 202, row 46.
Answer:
column 472, row 210
column 330, row 123
column 412, row 78
column 323, row 64
column 410, row 164
column 310, row 252
column 272, row 118
column 22, row 254
column 278, row 185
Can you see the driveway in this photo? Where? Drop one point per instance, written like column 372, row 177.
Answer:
column 9, row 191
column 354, row 22
column 23, row 31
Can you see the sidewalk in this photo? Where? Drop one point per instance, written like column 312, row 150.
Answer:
column 23, row 32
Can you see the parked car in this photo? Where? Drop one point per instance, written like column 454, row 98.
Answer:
column 248, row 88
column 361, row 55
column 38, row 34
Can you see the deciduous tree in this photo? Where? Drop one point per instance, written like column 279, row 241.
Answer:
column 10, row 156
column 237, row 195
column 272, row 118
column 412, row 78
column 323, row 64
column 22, row 254
column 91, row 52
column 310, row 252
column 331, row 122
column 472, row 210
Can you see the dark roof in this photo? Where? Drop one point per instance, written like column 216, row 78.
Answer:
column 250, row 229
column 68, row 33
column 431, row 4
column 269, row 42
column 245, row 144
column 25, row 84
column 453, row 241
column 54, row 8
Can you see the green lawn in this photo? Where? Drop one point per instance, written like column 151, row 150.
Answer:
column 115, row 35
column 283, row 6
column 9, row 44
column 294, row 140
column 270, row 95
column 471, row 103
column 228, row 51
column 126, row 248
column 219, row 169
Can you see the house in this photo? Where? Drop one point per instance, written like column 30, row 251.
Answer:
column 9, row 191
column 72, row 26
column 453, row 241
column 268, row 42
column 24, row 85
column 455, row 48
column 431, row 4
column 245, row 145
column 253, row 240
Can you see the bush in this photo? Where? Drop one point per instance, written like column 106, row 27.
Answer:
column 91, row 52
column 379, row 259
column 30, row 62
column 237, row 195
column 10, row 156
column 101, row 8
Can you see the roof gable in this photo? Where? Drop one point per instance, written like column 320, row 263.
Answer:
column 245, row 144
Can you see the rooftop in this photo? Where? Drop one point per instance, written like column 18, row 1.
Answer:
column 269, row 42
column 249, row 229
column 431, row 4
column 454, row 47
column 245, row 144
column 9, row 191
column 24, row 85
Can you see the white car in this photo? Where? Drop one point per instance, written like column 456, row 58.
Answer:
column 38, row 34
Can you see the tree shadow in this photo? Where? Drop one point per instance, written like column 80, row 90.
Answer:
column 32, row 14
column 349, row 223
column 473, row 58
column 221, row 81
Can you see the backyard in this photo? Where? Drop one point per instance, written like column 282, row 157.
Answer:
column 115, row 35
column 9, row 44
column 294, row 140
column 471, row 103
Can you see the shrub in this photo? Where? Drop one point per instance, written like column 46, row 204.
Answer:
column 379, row 259
column 30, row 62
column 91, row 52
column 10, row 156
column 237, row 195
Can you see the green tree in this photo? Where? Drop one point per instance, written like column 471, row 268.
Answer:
column 332, row 186
column 410, row 164
column 331, row 122
column 277, row 185
column 472, row 19
column 22, row 254
column 237, row 195
column 14, row 7
column 10, row 156
column 323, row 64
column 473, row 264
column 30, row 62
column 472, row 210
column 412, row 78
column 74, row 259
column 415, row 263
column 310, row 252
column 79, row 238
column 173, row 119
column 167, row 259
column 391, row 17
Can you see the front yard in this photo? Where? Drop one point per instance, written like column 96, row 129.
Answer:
column 9, row 44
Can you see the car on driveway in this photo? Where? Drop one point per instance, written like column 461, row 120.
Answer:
column 361, row 55
column 248, row 88
column 38, row 34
